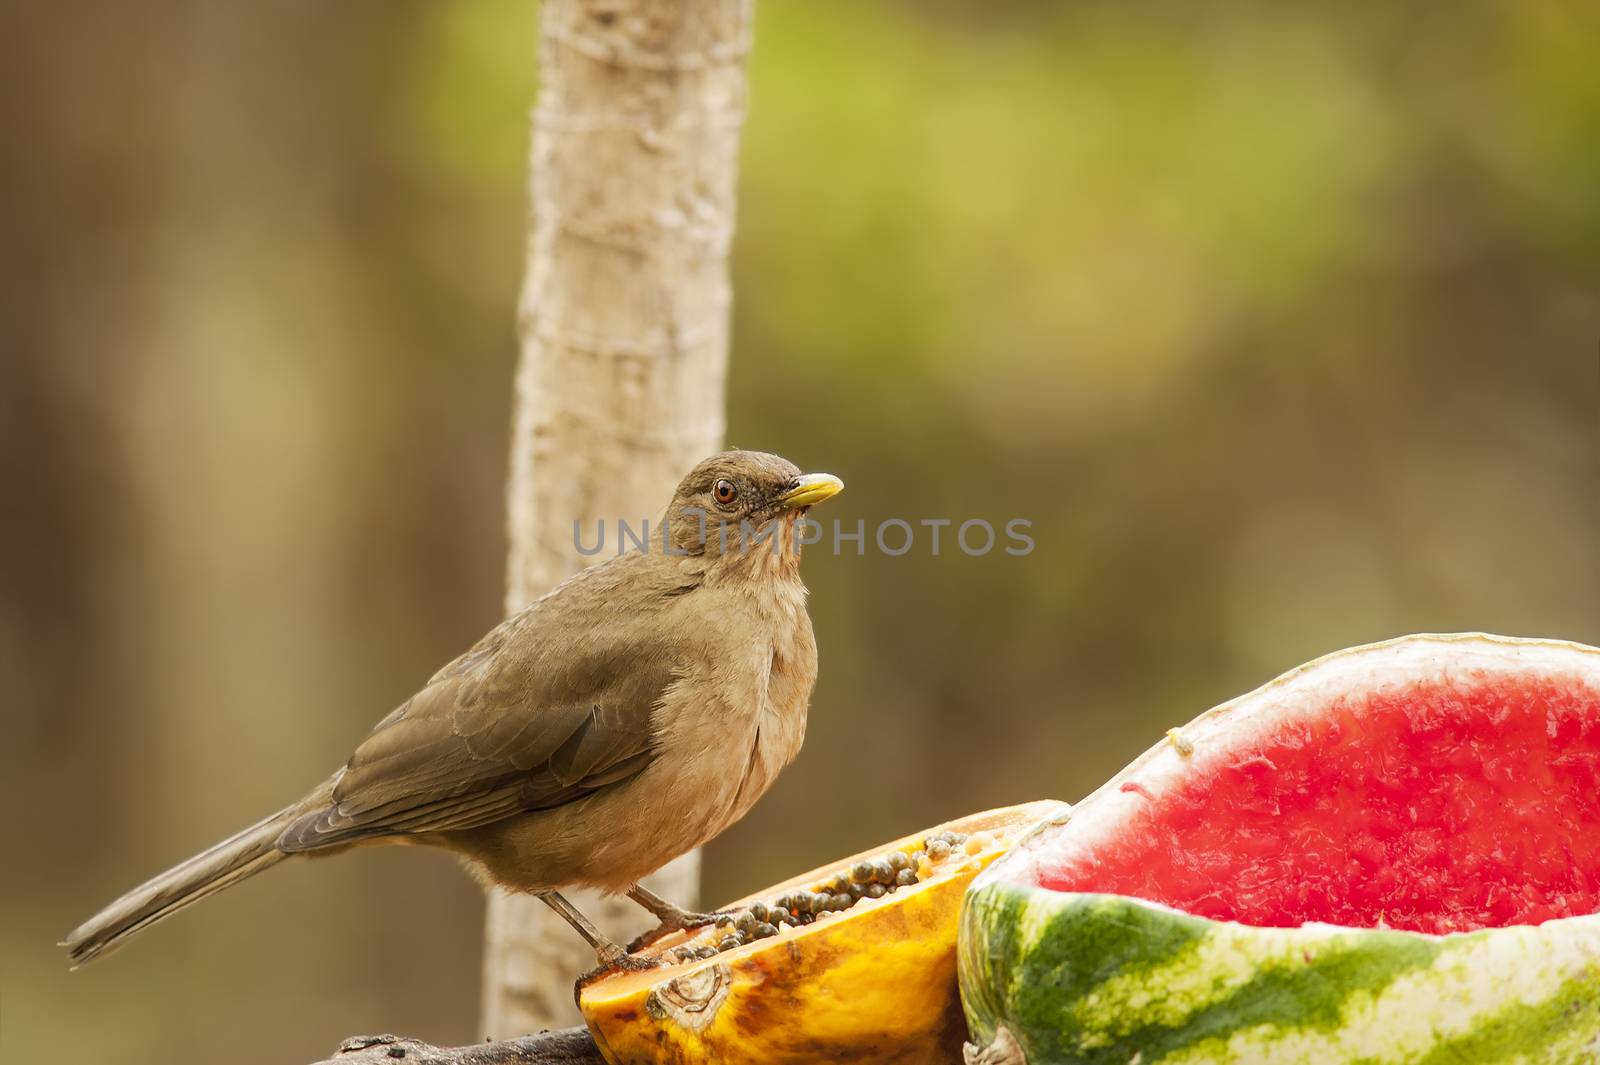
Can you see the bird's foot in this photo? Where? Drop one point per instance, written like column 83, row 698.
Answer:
column 613, row 957
column 688, row 919
column 616, row 959
column 685, row 920
column 677, row 921
column 673, row 918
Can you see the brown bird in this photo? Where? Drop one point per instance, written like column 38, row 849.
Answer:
column 628, row 716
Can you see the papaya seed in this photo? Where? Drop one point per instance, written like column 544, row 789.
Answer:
column 862, row 872
column 842, row 901
column 882, row 871
column 766, row 930
column 938, row 849
column 898, row 860
column 905, row 878
column 875, row 891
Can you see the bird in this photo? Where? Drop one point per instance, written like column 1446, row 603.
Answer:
column 626, row 717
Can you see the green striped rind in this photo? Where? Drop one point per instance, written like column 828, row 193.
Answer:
column 1107, row 980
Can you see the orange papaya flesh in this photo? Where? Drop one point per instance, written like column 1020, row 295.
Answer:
column 874, row 982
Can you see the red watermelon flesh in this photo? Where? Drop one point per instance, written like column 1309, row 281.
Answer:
column 1442, row 803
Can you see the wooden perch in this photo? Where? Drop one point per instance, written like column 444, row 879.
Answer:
column 564, row 1046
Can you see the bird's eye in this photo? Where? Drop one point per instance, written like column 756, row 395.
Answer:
column 726, row 492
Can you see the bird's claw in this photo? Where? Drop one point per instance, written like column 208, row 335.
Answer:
column 619, row 961
column 632, row 963
column 700, row 920
column 682, row 921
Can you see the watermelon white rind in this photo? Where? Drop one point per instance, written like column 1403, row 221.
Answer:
column 1052, row 977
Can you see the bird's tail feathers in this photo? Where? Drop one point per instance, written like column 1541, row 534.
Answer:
column 235, row 858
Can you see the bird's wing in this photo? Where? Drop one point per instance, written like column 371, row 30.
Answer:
column 536, row 715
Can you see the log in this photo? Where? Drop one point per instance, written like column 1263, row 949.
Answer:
column 563, row 1046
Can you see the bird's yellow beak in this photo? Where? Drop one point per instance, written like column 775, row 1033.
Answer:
column 810, row 489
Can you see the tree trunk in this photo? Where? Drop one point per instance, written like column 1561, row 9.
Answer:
column 624, row 333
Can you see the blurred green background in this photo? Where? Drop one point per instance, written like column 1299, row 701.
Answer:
column 1278, row 321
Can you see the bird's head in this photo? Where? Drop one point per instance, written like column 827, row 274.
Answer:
column 744, row 502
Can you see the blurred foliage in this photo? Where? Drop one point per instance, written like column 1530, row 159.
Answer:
column 1279, row 322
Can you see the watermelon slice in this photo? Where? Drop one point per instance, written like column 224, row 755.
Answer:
column 1391, row 854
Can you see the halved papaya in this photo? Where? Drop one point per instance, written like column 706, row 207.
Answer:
column 853, row 962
